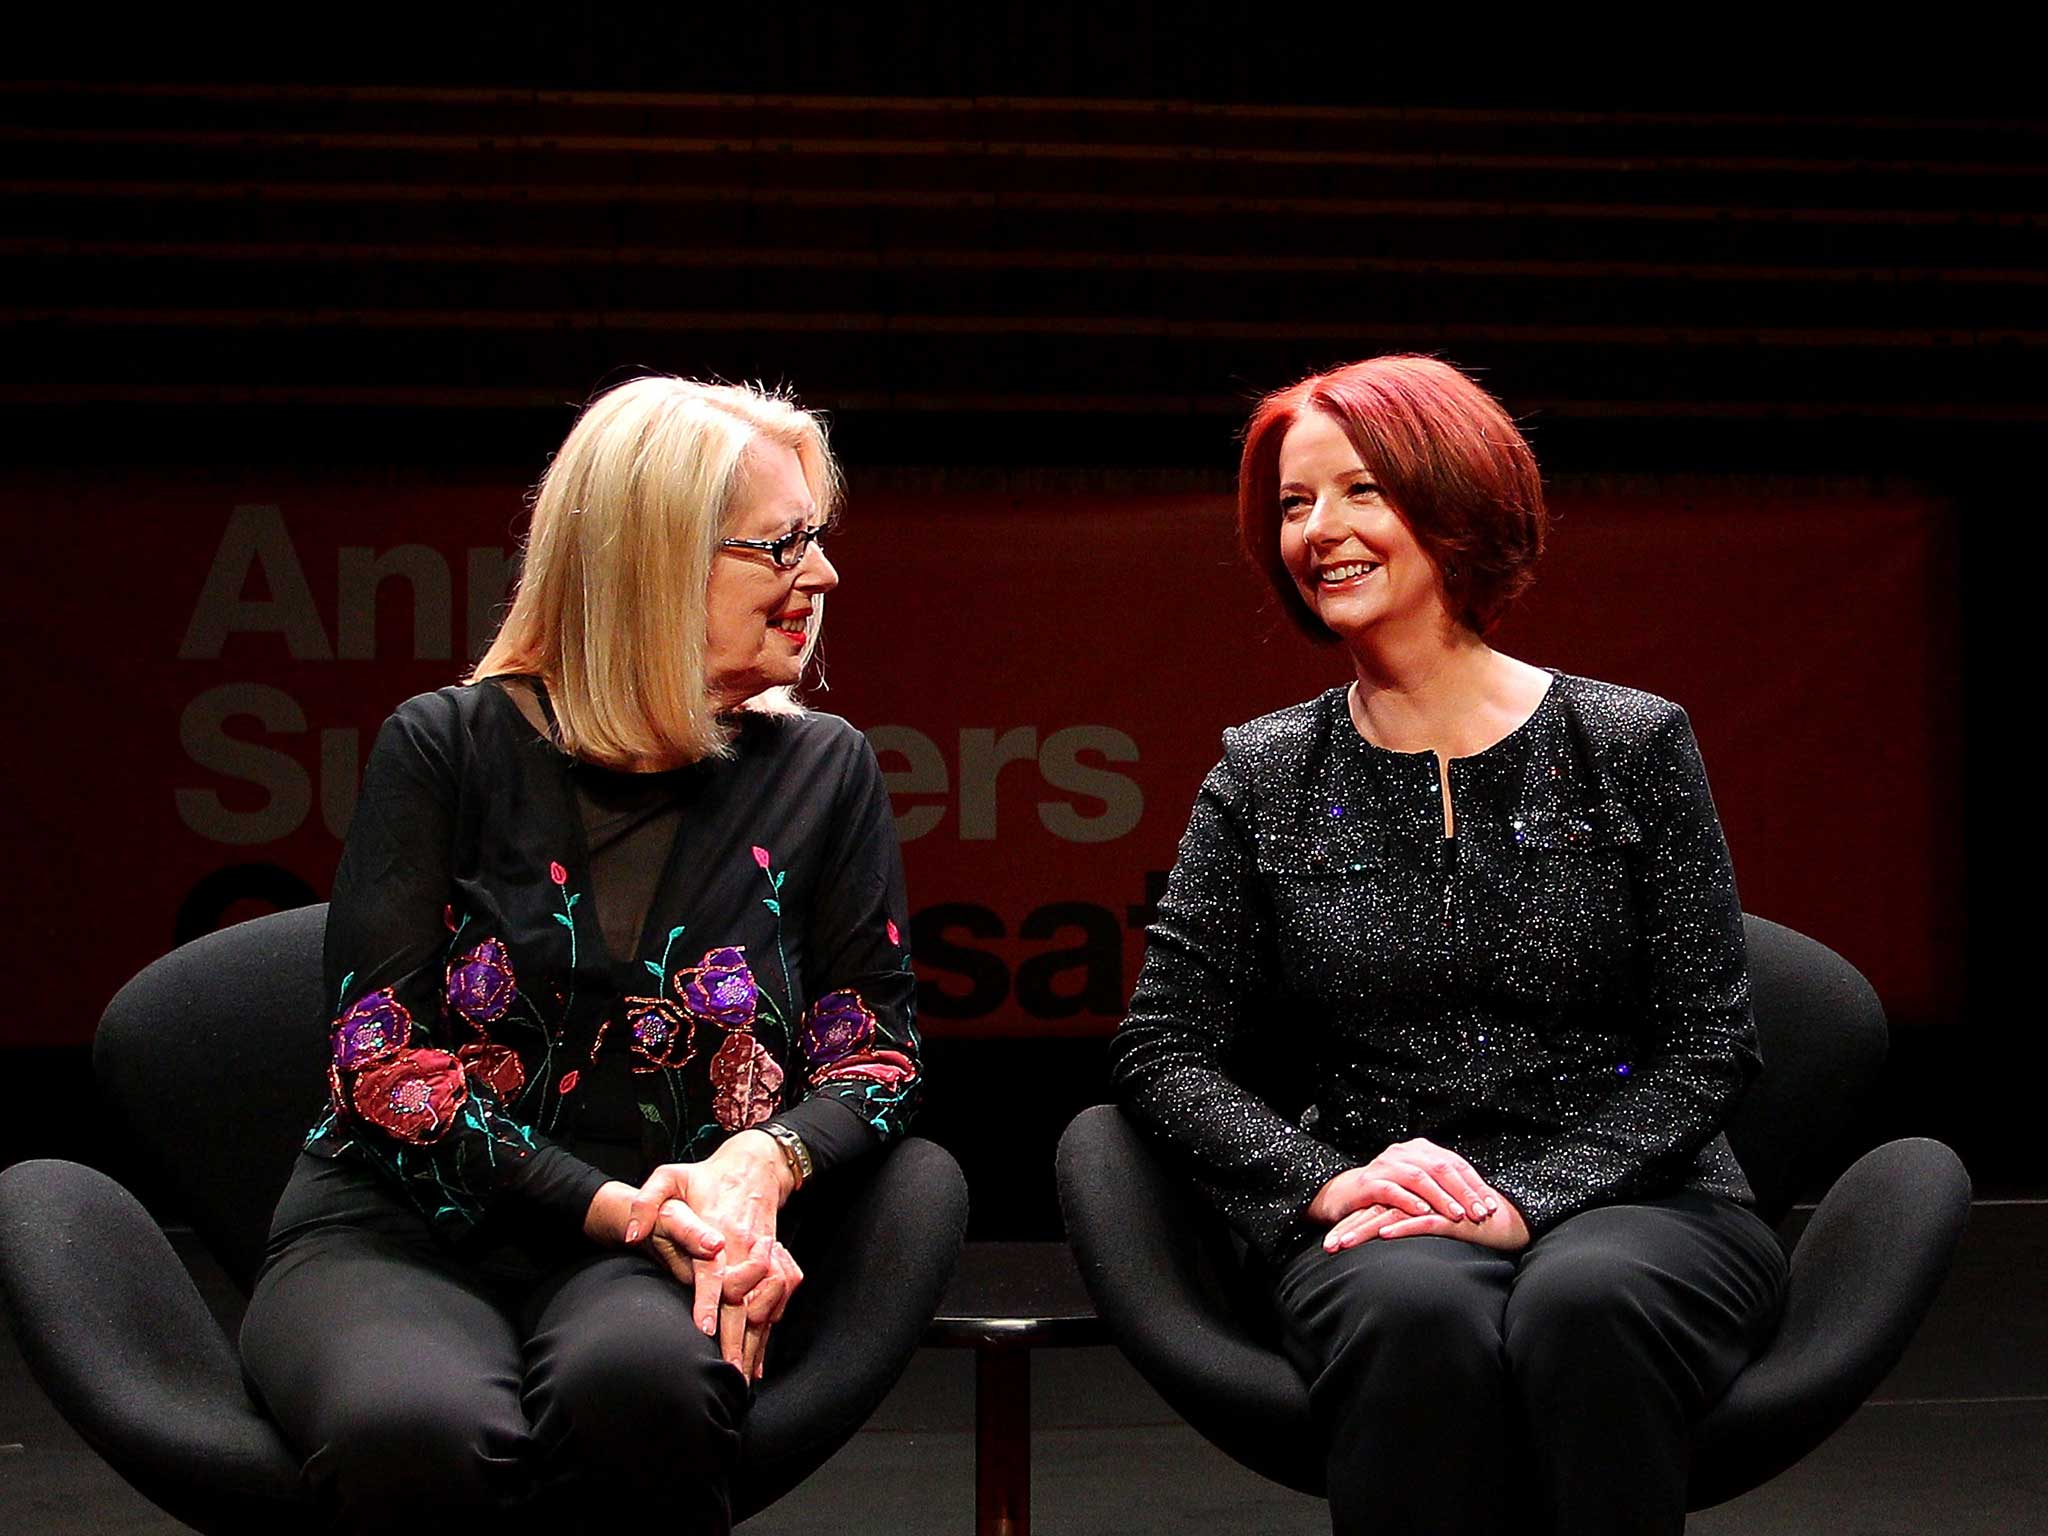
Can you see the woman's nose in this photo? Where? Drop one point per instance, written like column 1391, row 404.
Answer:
column 817, row 573
column 1323, row 526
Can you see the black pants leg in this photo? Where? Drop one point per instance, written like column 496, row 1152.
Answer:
column 1623, row 1326
column 1400, row 1343
column 1464, row 1391
column 636, row 1416
column 417, row 1386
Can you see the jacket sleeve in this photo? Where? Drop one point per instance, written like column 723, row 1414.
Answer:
column 1697, row 1047
column 413, row 1094
column 1207, row 978
column 858, row 1046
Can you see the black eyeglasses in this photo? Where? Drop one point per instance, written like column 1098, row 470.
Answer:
column 788, row 551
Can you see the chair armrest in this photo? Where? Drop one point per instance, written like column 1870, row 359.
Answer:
column 1147, row 1251
column 878, row 1241
column 114, row 1330
column 1864, row 1273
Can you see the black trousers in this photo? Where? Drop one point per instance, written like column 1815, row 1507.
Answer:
column 573, row 1395
column 1465, row 1391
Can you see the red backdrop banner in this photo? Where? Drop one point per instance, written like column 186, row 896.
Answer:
column 1044, row 667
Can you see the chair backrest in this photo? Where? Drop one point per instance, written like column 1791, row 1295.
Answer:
column 215, row 1059
column 1824, row 1038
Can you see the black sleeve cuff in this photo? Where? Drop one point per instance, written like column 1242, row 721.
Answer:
column 831, row 1131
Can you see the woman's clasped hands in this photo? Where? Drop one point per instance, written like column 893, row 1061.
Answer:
column 1416, row 1189
column 713, row 1224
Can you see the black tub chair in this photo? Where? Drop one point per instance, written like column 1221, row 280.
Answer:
column 1167, row 1278
column 211, row 1059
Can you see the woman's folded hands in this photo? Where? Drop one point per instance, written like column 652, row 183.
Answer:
column 712, row 1223
column 1416, row 1189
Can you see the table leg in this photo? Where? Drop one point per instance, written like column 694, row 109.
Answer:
column 1002, row 1442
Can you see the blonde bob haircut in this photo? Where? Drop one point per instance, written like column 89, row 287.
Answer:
column 610, row 604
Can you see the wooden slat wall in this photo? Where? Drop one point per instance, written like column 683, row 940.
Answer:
column 485, row 249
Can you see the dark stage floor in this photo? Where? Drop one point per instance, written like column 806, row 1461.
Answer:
column 1953, row 1443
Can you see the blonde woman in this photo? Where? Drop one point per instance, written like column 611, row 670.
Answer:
column 616, row 963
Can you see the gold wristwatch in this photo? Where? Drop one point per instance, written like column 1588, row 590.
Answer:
column 794, row 1153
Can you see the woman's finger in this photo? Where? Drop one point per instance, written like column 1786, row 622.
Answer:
column 1384, row 1191
column 1463, row 1180
column 1418, row 1180
column 755, row 1353
column 662, row 1184
column 1357, row 1227
column 792, row 1277
column 707, row 1277
column 732, row 1335
column 1423, row 1226
column 1455, row 1174
column 690, row 1232
column 765, row 1305
column 677, row 1261
column 740, row 1279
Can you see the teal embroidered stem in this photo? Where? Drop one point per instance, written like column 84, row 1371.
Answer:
column 774, row 905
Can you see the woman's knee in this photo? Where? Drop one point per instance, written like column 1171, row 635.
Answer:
column 1389, row 1305
column 420, row 1447
column 633, row 1399
column 1586, row 1317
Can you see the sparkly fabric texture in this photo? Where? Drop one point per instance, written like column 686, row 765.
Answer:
column 1559, row 993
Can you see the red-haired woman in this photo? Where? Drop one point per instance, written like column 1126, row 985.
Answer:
column 1471, row 926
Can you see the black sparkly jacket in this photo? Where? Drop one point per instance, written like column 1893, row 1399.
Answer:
column 1558, row 993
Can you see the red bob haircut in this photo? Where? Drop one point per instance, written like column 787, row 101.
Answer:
column 1448, row 458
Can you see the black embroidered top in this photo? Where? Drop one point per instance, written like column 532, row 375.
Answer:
column 1558, row 993
column 494, row 1051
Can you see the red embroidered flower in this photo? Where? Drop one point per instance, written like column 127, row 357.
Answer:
column 496, row 1067
column 888, row 1069
column 760, row 855
column 481, row 984
column 894, row 937
column 746, row 1081
column 568, row 1083
column 557, row 874
column 371, row 1028
column 413, row 1096
column 659, row 1031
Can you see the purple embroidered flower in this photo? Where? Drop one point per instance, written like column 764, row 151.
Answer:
column 720, row 988
column 660, row 1031
column 496, row 1067
column 481, row 984
column 839, row 1024
column 746, row 1082
column 374, row 1025
column 413, row 1096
